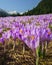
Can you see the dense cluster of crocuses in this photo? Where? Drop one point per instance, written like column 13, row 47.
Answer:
column 30, row 29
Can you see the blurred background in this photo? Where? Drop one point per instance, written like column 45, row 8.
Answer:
column 24, row 7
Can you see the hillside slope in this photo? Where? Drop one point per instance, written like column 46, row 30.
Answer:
column 44, row 7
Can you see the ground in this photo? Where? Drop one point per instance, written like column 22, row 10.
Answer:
column 16, row 57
